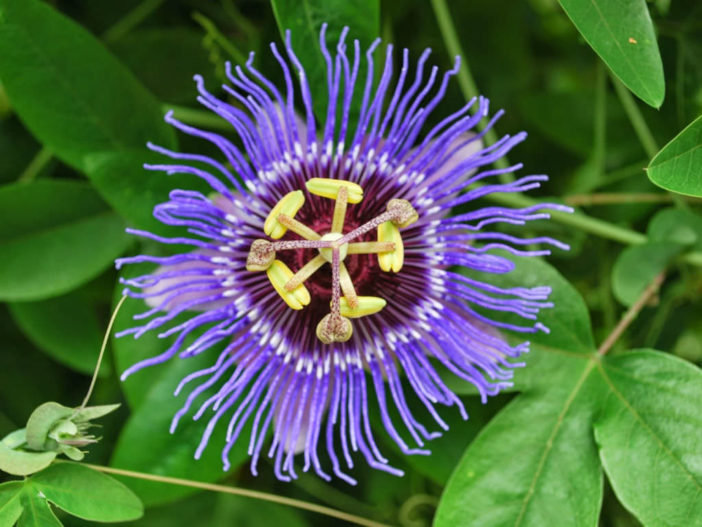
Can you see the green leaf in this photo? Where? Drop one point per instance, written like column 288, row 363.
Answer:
column 132, row 190
column 649, row 436
column 677, row 166
column 73, row 95
column 622, row 34
column 10, row 503
column 534, row 464
column 304, row 18
column 165, row 60
column 637, row 265
column 55, row 235
column 67, row 328
column 37, row 512
column 87, row 493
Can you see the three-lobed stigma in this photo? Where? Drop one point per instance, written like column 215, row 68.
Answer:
column 333, row 248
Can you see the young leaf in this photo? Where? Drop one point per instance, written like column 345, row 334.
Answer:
column 20, row 463
column 55, row 236
column 304, row 18
column 86, row 493
column 622, row 34
column 677, row 166
column 648, row 432
column 73, row 95
column 10, row 502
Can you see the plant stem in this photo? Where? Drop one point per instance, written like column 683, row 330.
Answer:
column 631, row 313
column 465, row 78
column 616, row 198
column 132, row 19
column 102, row 351
column 643, row 132
column 282, row 500
column 35, row 166
column 216, row 35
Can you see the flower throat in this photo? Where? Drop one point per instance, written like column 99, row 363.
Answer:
column 332, row 248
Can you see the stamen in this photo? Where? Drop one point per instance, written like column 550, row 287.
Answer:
column 297, row 227
column 391, row 261
column 340, row 209
column 333, row 248
column 329, row 188
column 261, row 256
column 305, row 272
column 288, row 205
column 367, row 305
column 280, row 274
column 370, row 247
column 347, row 286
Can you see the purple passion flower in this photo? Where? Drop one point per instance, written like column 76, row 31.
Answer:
column 325, row 261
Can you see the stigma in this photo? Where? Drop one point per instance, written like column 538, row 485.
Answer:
column 332, row 248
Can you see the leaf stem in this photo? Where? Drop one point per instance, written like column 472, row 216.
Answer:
column 227, row 489
column 465, row 78
column 213, row 31
column 132, row 19
column 102, row 351
column 36, row 165
column 631, row 313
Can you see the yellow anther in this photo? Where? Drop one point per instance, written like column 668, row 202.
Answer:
column 370, row 247
column 405, row 214
column 261, row 256
column 367, row 305
column 326, row 252
column 288, row 205
column 334, row 328
column 391, row 261
column 279, row 274
column 329, row 188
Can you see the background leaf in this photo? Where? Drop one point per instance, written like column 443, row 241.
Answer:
column 69, row 91
column 677, row 166
column 10, row 504
column 48, row 238
column 304, row 18
column 68, row 328
column 622, row 34
column 648, row 435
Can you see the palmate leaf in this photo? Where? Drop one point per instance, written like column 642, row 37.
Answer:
column 539, row 461
column 74, row 488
